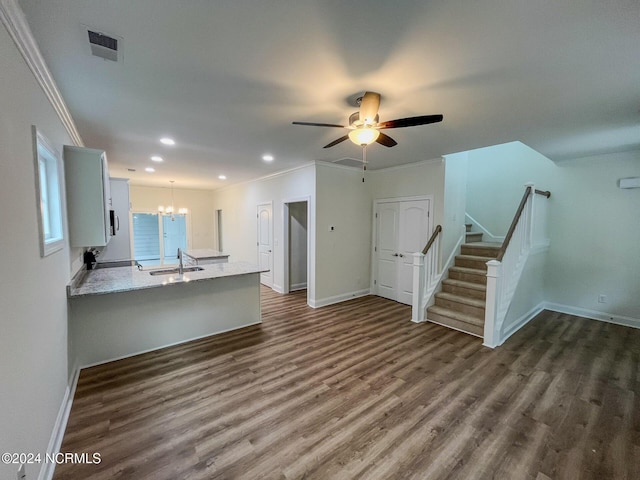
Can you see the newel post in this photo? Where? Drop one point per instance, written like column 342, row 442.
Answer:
column 491, row 336
column 417, row 306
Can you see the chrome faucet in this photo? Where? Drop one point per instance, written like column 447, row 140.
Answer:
column 181, row 266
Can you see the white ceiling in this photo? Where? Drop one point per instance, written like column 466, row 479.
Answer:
column 226, row 78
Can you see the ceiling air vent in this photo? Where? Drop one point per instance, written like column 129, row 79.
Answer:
column 349, row 162
column 105, row 46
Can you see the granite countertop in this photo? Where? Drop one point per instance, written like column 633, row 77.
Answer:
column 200, row 253
column 125, row 279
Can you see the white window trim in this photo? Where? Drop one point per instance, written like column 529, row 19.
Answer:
column 54, row 195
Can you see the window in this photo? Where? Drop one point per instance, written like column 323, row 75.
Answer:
column 48, row 198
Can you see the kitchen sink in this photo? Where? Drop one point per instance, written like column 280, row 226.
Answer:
column 175, row 271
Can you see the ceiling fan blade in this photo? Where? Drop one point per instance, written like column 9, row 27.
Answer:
column 386, row 140
column 410, row 121
column 313, row 124
column 335, row 142
column 369, row 106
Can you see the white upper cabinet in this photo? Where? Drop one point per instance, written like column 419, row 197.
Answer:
column 88, row 196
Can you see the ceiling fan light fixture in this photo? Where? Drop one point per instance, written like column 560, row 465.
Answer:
column 364, row 136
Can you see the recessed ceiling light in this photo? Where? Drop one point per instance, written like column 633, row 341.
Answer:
column 150, row 169
column 222, row 177
column 167, row 141
column 267, row 158
column 156, row 158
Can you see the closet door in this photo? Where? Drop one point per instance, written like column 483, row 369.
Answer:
column 388, row 221
column 401, row 230
column 412, row 236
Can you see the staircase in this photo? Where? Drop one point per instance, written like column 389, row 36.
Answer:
column 460, row 304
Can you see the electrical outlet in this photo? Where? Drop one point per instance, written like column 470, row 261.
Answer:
column 21, row 473
column 602, row 299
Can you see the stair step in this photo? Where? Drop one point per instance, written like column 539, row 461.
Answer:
column 465, row 274
column 460, row 303
column 473, row 237
column 472, row 261
column 468, row 289
column 481, row 249
column 468, row 227
column 457, row 320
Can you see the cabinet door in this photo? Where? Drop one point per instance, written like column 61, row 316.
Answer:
column 87, row 187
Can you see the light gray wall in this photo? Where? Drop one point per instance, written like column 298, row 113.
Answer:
column 343, row 256
column 595, row 231
column 298, row 245
column 423, row 178
column 239, row 226
column 496, row 178
column 33, row 303
column 455, row 202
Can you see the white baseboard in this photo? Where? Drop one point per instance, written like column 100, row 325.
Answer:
column 594, row 314
column 521, row 322
column 277, row 288
column 59, row 427
column 338, row 298
column 298, row 286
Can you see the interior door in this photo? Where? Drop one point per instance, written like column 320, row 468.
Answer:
column 388, row 220
column 412, row 236
column 401, row 230
column 265, row 239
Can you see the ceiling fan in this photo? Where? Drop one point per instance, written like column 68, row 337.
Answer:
column 365, row 127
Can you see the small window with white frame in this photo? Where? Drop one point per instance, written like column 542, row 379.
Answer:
column 48, row 194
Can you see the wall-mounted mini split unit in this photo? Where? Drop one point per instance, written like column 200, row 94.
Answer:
column 633, row 182
column 104, row 45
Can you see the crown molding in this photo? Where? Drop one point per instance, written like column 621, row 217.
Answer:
column 16, row 24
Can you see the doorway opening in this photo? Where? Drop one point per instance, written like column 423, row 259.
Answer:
column 265, row 242
column 219, row 229
column 296, row 246
column 156, row 238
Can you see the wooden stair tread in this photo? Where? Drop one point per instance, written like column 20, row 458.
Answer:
column 473, row 257
column 461, row 317
column 461, row 299
column 461, row 283
column 475, row 271
column 484, row 245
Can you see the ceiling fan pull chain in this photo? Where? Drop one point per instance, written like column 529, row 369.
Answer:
column 364, row 161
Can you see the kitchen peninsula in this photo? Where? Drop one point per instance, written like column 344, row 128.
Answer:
column 122, row 311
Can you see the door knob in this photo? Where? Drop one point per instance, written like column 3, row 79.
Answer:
column 394, row 255
column 401, row 255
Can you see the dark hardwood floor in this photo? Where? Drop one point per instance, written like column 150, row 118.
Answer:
column 356, row 390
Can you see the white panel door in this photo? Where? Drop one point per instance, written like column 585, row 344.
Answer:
column 265, row 239
column 387, row 253
column 412, row 236
column 401, row 229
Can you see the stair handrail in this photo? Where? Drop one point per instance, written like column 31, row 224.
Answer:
column 426, row 275
column 503, row 273
column 514, row 224
column 516, row 219
column 432, row 239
